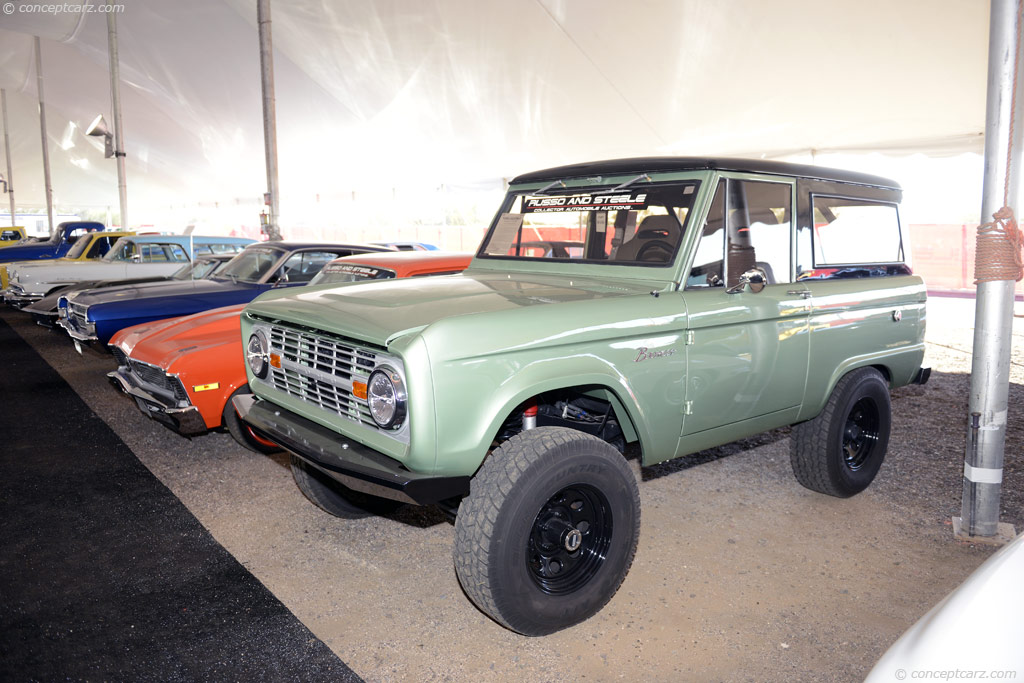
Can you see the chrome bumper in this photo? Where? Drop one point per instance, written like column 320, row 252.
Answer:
column 87, row 334
column 356, row 466
column 185, row 421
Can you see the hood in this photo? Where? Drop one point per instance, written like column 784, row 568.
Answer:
column 380, row 311
column 163, row 342
column 132, row 292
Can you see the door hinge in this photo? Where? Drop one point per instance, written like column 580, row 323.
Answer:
column 687, row 407
column 689, row 338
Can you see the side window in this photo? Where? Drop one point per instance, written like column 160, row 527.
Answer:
column 99, row 247
column 75, row 234
column 302, row 266
column 153, row 253
column 748, row 226
column 848, row 236
column 9, row 235
column 177, row 253
column 202, row 249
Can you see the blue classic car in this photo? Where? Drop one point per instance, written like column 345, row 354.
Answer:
column 44, row 311
column 55, row 247
column 95, row 316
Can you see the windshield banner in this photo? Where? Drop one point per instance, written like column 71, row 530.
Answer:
column 586, row 202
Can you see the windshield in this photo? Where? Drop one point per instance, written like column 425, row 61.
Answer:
column 251, row 265
column 334, row 273
column 79, row 247
column 634, row 226
column 200, row 269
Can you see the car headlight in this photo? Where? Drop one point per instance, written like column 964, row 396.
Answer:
column 257, row 354
column 385, row 393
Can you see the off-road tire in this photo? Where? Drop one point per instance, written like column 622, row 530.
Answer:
column 335, row 498
column 840, row 451
column 541, row 485
column 241, row 431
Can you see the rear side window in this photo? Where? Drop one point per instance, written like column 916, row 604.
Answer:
column 851, row 238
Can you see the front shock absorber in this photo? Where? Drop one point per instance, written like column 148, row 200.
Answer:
column 530, row 415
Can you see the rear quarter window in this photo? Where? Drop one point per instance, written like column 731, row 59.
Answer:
column 851, row 237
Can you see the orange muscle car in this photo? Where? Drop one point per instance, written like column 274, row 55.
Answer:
column 183, row 372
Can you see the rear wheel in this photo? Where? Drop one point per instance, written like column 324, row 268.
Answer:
column 331, row 496
column 242, row 432
column 549, row 530
column 841, row 450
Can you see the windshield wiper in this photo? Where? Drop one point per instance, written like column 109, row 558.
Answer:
column 623, row 186
column 547, row 187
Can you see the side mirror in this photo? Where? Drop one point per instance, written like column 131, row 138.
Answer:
column 755, row 278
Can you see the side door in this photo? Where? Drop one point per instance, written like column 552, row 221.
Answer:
column 747, row 350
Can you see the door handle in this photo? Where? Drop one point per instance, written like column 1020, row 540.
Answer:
column 802, row 293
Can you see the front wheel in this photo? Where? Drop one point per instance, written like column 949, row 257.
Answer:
column 840, row 451
column 548, row 531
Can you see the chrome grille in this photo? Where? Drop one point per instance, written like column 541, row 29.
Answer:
column 320, row 369
column 77, row 313
column 156, row 378
column 119, row 356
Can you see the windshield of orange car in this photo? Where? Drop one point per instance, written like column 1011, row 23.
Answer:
column 252, row 265
column 335, row 273
column 641, row 225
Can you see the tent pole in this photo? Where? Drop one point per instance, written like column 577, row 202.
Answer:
column 7, row 153
column 990, row 367
column 42, row 127
column 115, row 95
column 269, row 113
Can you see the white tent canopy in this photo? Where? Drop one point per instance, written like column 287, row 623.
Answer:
column 464, row 93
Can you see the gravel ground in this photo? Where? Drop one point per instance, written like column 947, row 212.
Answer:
column 741, row 574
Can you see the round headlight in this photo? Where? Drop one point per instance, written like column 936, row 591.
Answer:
column 257, row 353
column 385, row 393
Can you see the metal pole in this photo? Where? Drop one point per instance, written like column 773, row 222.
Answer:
column 115, row 96
column 269, row 113
column 42, row 127
column 990, row 369
column 7, row 153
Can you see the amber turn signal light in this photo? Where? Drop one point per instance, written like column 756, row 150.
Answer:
column 359, row 390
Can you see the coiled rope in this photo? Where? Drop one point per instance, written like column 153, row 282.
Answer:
column 999, row 243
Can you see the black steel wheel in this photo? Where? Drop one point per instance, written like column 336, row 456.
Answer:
column 570, row 539
column 549, row 530
column 840, row 451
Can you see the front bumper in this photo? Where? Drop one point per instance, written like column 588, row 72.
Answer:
column 356, row 466
column 18, row 299
column 83, row 333
column 185, row 421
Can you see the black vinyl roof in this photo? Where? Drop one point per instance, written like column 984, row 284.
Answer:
column 613, row 167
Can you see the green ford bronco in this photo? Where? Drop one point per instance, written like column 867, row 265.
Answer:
column 665, row 304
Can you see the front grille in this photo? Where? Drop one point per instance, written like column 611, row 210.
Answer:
column 320, row 369
column 119, row 356
column 156, row 378
column 77, row 313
